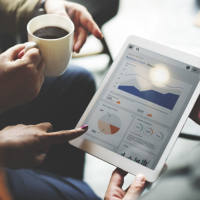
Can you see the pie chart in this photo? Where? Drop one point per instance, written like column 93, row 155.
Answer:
column 109, row 124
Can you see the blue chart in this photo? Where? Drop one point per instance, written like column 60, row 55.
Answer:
column 167, row 100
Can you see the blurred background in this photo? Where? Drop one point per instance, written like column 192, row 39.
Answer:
column 172, row 22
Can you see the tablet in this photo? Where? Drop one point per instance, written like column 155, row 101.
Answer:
column 140, row 108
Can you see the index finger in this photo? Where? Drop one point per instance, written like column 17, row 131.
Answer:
column 13, row 51
column 64, row 135
column 89, row 24
column 28, row 45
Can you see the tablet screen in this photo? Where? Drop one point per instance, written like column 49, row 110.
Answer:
column 141, row 104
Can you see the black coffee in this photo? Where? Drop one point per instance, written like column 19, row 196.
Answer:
column 50, row 32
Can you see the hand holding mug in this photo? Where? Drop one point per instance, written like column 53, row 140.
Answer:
column 82, row 19
column 20, row 79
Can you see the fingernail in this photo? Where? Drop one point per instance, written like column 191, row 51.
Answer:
column 84, row 127
column 102, row 36
column 20, row 54
column 77, row 48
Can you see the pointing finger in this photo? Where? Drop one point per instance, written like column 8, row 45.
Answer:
column 65, row 135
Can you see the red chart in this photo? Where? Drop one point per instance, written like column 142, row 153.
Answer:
column 109, row 124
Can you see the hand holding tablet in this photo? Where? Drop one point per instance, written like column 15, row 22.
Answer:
column 138, row 112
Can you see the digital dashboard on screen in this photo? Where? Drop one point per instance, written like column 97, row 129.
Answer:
column 138, row 110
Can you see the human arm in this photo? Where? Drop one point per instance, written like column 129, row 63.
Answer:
column 82, row 19
column 14, row 17
column 20, row 79
column 115, row 191
column 15, row 14
column 26, row 145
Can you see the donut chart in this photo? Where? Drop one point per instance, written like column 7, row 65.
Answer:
column 109, row 124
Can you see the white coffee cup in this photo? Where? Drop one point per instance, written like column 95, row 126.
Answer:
column 55, row 52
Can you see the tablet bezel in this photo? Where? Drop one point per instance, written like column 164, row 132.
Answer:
column 116, row 159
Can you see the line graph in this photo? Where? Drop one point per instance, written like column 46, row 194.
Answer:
column 165, row 100
column 165, row 96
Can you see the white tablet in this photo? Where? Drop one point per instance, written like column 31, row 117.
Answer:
column 138, row 112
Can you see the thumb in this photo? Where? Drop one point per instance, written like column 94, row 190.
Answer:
column 65, row 135
column 135, row 188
